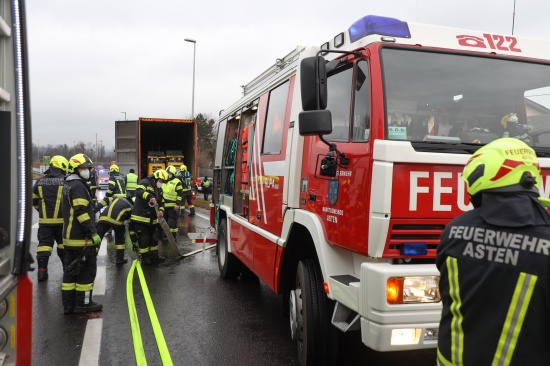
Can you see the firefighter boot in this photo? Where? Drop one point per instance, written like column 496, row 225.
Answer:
column 156, row 258
column 42, row 269
column 92, row 307
column 120, row 259
column 192, row 211
column 146, row 259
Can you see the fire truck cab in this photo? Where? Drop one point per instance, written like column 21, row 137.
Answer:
column 338, row 169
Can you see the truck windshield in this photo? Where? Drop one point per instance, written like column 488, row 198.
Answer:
column 453, row 98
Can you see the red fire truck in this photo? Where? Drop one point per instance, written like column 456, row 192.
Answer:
column 338, row 169
column 15, row 189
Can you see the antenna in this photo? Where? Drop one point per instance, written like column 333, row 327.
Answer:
column 513, row 17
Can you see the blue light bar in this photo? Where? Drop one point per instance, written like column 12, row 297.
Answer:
column 374, row 24
column 414, row 249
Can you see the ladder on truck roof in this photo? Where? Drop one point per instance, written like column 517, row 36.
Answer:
column 280, row 64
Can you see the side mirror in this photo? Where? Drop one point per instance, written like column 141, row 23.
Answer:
column 315, row 123
column 313, row 83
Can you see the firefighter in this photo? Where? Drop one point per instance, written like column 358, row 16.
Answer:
column 206, row 188
column 144, row 219
column 513, row 129
column 186, row 185
column 130, row 181
column 92, row 183
column 47, row 196
column 172, row 194
column 80, row 239
column 495, row 264
column 117, row 185
column 118, row 211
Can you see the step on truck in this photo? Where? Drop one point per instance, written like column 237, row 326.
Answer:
column 338, row 169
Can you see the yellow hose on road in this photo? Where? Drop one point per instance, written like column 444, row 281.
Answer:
column 134, row 321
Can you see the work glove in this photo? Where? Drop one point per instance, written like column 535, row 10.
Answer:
column 160, row 214
column 96, row 239
column 75, row 267
column 133, row 236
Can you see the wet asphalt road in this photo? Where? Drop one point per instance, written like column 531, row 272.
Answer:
column 204, row 319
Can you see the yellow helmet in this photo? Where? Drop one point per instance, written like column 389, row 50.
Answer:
column 160, row 174
column 79, row 161
column 183, row 168
column 59, row 162
column 503, row 165
column 510, row 117
column 114, row 168
column 172, row 170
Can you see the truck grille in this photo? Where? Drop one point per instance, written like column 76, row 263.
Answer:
column 400, row 233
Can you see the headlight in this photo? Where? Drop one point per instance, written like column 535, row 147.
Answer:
column 412, row 290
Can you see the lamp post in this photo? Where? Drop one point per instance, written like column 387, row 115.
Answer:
column 124, row 115
column 193, row 93
column 96, row 149
column 74, row 147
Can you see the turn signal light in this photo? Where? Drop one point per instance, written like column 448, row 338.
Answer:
column 411, row 290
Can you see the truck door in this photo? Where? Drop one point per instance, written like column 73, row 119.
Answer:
column 267, row 156
column 342, row 201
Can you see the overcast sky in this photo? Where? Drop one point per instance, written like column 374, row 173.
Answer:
column 92, row 60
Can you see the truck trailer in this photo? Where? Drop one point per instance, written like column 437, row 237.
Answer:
column 136, row 141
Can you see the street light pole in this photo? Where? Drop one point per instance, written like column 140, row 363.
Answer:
column 124, row 115
column 74, row 147
column 193, row 93
column 96, row 149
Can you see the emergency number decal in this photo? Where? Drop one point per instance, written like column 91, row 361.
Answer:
column 491, row 41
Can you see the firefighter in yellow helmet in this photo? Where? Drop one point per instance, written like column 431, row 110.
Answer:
column 117, row 183
column 143, row 222
column 494, row 263
column 47, row 195
column 172, row 193
column 79, row 238
column 118, row 211
column 185, row 178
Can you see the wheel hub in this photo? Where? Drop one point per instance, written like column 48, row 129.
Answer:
column 295, row 305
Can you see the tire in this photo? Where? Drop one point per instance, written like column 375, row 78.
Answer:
column 310, row 313
column 228, row 264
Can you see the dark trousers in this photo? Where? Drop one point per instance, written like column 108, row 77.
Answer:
column 47, row 235
column 120, row 232
column 130, row 194
column 146, row 243
column 172, row 219
column 77, row 290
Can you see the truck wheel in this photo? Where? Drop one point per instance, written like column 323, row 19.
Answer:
column 310, row 315
column 229, row 266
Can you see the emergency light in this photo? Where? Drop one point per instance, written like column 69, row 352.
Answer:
column 374, row 24
column 414, row 249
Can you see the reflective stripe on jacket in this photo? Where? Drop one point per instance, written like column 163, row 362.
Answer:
column 142, row 212
column 172, row 192
column 78, row 225
column 118, row 210
column 117, row 187
column 131, row 181
column 47, row 197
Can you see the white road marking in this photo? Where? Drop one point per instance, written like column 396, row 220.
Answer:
column 100, row 279
column 89, row 355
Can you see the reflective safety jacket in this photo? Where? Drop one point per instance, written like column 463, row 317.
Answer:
column 186, row 187
column 172, row 193
column 78, row 211
column 141, row 211
column 495, row 284
column 118, row 210
column 117, row 187
column 131, row 181
column 47, row 197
